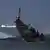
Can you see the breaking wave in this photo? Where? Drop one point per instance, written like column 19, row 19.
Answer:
column 4, row 35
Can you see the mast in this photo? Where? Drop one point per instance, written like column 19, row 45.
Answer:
column 19, row 13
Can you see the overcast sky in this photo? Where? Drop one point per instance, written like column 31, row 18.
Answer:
column 36, row 12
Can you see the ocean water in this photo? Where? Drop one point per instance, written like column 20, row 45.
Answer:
column 19, row 44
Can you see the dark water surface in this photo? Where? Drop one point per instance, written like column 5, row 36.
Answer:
column 18, row 44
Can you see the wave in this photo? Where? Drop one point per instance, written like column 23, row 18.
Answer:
column 4, row 35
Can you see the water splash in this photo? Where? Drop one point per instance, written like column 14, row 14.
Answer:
column 4, row 35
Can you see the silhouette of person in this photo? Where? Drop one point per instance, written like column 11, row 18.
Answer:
column 41, row 36
column 37, row 33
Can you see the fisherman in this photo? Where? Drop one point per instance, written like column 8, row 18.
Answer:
column 30, row 26
column 37, row 33
column 41, row 37
column 32, row 29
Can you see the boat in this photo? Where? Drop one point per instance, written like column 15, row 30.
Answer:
column 27, row 32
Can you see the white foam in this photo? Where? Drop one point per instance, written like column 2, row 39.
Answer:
column 3, row 35
column 8, row 26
